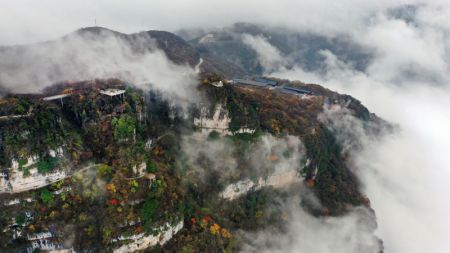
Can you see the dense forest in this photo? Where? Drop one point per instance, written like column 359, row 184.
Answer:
column 129, row 171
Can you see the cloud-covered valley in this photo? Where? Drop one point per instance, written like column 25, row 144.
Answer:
column 406, row 81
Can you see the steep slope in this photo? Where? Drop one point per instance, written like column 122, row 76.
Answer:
column 136, row 172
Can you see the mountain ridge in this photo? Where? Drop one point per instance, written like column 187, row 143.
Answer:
column 105, row 165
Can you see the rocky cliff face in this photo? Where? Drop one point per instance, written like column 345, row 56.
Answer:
column 135, row 165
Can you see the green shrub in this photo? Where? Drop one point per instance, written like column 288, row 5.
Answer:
column 22, row 162
column 214, row 135
column 46, row 196
column 20, row 219
column 104, row 170
column 148, row 213
column 152, row 167
column 46, row 165
column 123, row 127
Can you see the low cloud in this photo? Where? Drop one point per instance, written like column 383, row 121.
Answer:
column 27, row 20
column 86, row 56
column 266, row 157
column 90, row 184
column 304, row 233
column 404, row 52
column 405, row 173
column 272, row 155
column 352, row 233
column 269, row 56
column 205, row 157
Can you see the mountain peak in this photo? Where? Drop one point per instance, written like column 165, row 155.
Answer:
column 94, row 29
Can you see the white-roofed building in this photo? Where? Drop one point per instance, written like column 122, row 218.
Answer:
column 112, row 92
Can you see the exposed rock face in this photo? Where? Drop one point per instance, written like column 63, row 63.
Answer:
column 25, row 177
column 35, row 180
column 219, row 121
column 276, row 180
column 142, row 242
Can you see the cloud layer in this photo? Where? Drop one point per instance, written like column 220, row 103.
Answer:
column 30, row 21
column 269, row 56
column 407, row 82
column 305, row 233
column 268, row 156
column 86, row 56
